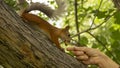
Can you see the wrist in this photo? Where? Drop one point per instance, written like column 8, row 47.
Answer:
column 106, row 62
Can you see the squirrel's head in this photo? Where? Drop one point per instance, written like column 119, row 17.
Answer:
column 65, row 35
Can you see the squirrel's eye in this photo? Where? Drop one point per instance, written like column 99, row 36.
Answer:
column 69, row 35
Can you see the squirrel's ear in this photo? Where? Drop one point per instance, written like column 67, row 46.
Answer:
column 67, row 27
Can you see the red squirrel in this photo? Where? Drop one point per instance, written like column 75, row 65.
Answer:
column 52, row 32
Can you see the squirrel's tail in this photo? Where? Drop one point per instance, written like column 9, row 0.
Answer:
column 52, row 13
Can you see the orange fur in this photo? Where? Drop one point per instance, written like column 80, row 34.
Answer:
column 53, row 32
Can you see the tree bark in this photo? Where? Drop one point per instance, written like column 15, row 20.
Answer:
column 21, row 46
column 117, row 4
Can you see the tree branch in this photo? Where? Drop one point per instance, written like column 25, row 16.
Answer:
column 22, row 46
column 76, row 19
column 89, row 29
column 104, row 45
column 117, row 3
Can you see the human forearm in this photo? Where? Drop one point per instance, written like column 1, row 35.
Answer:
column 106, row 62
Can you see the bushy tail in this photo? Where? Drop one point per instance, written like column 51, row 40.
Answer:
column 52, row 13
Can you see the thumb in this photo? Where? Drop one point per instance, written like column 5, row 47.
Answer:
column 86, row 62
column 90, row 61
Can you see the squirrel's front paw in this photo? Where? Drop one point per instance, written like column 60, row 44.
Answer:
column 62, row 49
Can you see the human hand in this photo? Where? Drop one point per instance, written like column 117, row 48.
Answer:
column 93, row 56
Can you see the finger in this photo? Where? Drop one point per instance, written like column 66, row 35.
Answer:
column 88, row 51
column 86, row 62
column 84, row 49
column 74, row 48
column 70, row 48
column 79, row 48
column 83, row 57
column 78, row 53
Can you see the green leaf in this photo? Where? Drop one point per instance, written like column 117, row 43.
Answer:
column 83, row 40
column 117, row 17
column 102, row 39
column 116, row 34
column 116, row 45
column 99, row 14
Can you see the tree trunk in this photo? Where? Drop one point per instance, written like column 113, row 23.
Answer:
column 117, row 4
column 21, row 46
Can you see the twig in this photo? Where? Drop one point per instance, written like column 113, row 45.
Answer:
column 78, row 33
column 76, row 19
column 89, row 29
column 96, row 14
column 104, row 46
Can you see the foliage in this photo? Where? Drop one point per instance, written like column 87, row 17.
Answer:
column 99, row 25
column 12, row 3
